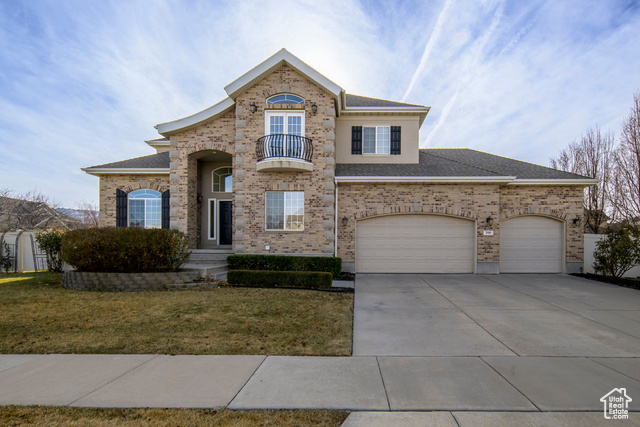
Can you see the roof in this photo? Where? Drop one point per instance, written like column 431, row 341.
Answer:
column 365, row 101
column 155, row 163
column 458, row 163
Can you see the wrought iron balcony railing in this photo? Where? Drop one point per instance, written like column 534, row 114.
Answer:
column 284, row 146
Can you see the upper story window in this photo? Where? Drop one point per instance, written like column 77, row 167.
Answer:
column 285, row 98
column 376, row 140
column 145, row 209
column 222, row 180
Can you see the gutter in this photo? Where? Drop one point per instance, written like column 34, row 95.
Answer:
column 335, row 219
column 112, row 171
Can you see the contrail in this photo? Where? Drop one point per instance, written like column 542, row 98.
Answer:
column 433, row 39
column 471, row 71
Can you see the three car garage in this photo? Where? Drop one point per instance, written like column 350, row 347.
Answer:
column 444, row 244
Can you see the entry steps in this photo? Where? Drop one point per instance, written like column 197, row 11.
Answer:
column 209, row 263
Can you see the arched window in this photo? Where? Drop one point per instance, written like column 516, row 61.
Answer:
column 145, row 209
column 222, row 180
column 285, row 98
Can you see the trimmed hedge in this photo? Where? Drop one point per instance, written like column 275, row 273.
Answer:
column 281, row 279
column 125, row 250
column 332, row 265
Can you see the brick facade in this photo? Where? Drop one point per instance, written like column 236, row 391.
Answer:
column 127, row 183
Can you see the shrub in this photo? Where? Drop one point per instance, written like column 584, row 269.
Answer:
column 6, row 260
column 332, row 265
column 125, row 250
column 281, row 279
column 50, row 242
column 618, row 252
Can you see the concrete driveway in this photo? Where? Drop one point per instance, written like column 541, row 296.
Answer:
column 497, row 315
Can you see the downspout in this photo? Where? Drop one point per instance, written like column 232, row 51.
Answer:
column 335, row 219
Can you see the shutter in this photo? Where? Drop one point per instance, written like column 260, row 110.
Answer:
column 121, row 208
column 356, row 139
column 165, row 209
column 395, row 139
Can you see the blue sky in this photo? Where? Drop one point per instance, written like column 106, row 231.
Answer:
column 84, row 82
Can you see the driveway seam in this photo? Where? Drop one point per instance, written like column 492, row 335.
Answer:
column 613, row 369
column 116, row 378
column 511, row 384
column 246, row 382
column 384, row 386
column 471, row 318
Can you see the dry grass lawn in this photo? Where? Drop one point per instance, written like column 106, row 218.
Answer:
column 38, row 315
column 65, row 416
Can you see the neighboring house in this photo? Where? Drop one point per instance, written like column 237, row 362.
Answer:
column 28, row 215
column 289, row 163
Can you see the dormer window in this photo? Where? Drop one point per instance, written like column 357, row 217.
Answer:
column 376, row 140
column 285, row 98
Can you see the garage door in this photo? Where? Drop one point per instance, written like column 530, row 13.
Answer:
column 531, row 244
column 415, row 244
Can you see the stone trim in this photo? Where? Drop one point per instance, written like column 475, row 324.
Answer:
column 534, row 211
column 414, row 208
column 127, row 282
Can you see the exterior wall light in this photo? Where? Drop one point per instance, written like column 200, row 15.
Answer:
column 314, row 109
column 345, row 220
column 199, row 198
column 253, row 107
column 489, row 221
column 577, row 220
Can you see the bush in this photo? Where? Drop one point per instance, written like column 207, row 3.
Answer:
column 618, row 252
column 281, row 279
column 6, row 260
column 50, row 242
column 125, row 250
column 285, row 263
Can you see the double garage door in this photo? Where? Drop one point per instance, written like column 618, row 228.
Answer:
column 441, row 244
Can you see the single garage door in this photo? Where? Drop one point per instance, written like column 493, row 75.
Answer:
column 531, row 244
column 415, row 244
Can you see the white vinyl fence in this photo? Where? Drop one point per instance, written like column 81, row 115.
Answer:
column 590, row 246
column 24, row 252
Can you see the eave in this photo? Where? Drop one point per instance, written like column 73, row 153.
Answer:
column 126, row 171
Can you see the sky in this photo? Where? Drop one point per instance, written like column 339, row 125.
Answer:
column 84, row 82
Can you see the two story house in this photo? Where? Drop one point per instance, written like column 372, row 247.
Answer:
column 289, row 163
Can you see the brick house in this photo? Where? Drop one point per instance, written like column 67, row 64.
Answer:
column 289, row 163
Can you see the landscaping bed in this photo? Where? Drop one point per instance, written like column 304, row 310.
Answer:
column 627, row 283
column 65, row 416
column 40, row 316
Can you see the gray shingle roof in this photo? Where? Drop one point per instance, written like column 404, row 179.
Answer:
column 154, row 161
column 456, row 162
column 364, row 101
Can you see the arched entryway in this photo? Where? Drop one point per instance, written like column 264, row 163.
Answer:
column 411, row 243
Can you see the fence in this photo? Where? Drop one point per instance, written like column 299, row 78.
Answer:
column 23, row 250
column 590, row 241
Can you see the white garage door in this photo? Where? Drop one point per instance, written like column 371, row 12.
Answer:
column 531, row 244
column 415, row 244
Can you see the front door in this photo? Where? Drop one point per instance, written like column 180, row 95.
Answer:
column 225, row 215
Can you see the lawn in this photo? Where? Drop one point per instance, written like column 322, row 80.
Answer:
column 38, row 315
column 47, row 415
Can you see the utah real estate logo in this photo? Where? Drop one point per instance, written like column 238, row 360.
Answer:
column 616, row 404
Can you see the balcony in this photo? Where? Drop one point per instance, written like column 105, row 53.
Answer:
column 284, row 153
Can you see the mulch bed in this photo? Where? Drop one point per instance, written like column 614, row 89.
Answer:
column 627, row 283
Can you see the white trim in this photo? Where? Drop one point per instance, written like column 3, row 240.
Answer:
column 375, row 142
column 144, row 215
column 142, row 171
column 284, row 113
column 194, row 119
column 579, row 181
column 282, row 56
column 443, row 179
column 213, row 182
column 215, row 219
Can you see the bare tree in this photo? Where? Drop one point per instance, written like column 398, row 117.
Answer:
column 88, row 215
column 627, row 162
column 31, row 210
column 592, row 156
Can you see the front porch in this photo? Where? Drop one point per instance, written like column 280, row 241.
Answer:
column 209, row 263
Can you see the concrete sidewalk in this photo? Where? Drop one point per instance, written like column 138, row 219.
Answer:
column 500, row 383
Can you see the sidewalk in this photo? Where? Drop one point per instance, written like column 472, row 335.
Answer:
column 505, row 383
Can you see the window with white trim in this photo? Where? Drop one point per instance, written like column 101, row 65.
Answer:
column 222, row 180
column 376, row 139
column 284, row 122
column 145, row 209
column 284, row 210
column 285, row 98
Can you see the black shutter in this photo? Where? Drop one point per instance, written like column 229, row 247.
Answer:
column 165, row 209
column 395, row 139
column 356, row 139
column 121, row 208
